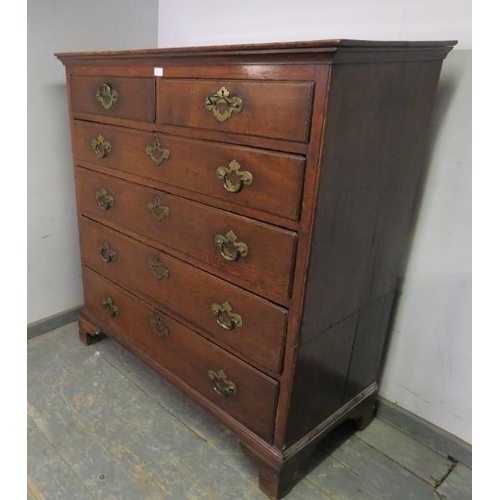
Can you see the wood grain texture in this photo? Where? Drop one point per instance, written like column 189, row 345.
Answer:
column 88, row 417
column 277, row 145
column 185, row 354
column 49, row 472
column 371, row 169
column 458, row 485
column 367, row 349
column 279, row 110
column 433, row 437
column 106, row 428
column 319, row 379
column 199, row 457
column 344, row 124
column 240, row 50
column 89, row 332
column 136, row 97
column 277, row 483
column 366, row 472
column 195, row 419
column 191, row 228
column 374, row 159
column 188, row 294
column 403, row 449
column 192, row 164
column 314, row 155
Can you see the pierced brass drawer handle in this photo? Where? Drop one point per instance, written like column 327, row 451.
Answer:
column 104, row 199
column 110, row 308
column 157, row 153
column 159, row 328
column 106, row 95
column 228, row 105
column 101, row 147
column 157, row 209
column 159, row 271
column 225, row 316
column 107, row 253
column 244, row 178
column 221, row 384
column 230, row 249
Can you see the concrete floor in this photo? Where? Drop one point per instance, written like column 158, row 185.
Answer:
column 102, row 425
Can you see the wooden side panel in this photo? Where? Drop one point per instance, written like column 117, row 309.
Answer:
column 371, row 169
column 368, row 345
column 373, row 162
column 319, row 378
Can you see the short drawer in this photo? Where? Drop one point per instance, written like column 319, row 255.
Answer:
column 131, row 98
column 233, row 386
column 266, row 181
column 260, row 254
column 224, row 312
column 277, row 109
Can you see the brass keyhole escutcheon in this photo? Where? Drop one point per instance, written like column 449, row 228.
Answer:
column 109, row 307
column 221, row 384
column 101, row 147
column 104, row 199
column 225, row 316
column 244, row 178
column 157, row 153
column 106, row 95
column 231, row 249
column 223, row 105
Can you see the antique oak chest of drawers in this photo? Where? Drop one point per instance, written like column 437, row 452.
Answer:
column 244, row 215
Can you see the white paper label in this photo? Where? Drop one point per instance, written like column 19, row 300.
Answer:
column 158, row 72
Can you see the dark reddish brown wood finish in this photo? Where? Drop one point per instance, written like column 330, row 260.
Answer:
column 280, row 110
column 191, row 228
column 276, row 185
column 372, row 167
column 184, row 353
column 183, row 290
column 367, row 349
column 334, row 133
column 136, row 97
column 89, row 334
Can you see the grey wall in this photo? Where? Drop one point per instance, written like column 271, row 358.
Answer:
column 54, row 280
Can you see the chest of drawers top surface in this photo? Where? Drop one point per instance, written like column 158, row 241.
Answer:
column 244, row 212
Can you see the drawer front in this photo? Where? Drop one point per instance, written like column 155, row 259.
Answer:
column 235, row 387
column 279, row 110
column 249, row 177
column 258, row 253
column 131, row 98
column 190, row 293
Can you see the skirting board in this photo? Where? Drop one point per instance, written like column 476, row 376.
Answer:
column 53, row 322
column 434, row 437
